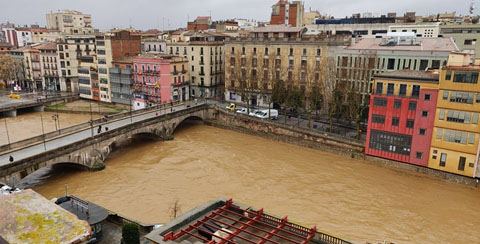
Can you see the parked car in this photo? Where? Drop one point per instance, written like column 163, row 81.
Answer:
column 263, row 114
column 231, row 107
column 241, row 111
column 253, row 112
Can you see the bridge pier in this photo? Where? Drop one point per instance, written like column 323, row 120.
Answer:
column 39, row 108
column 11, row 113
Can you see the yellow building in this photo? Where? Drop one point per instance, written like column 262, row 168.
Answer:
column 455, row 139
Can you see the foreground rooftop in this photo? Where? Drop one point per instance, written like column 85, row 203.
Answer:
column 27, row 217
column 223, row 221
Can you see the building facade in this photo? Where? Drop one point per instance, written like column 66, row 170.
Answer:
column 109, row 47
column 121, row 77
column 421, row 30
column 156, row 77
column 49, row 65
column 455, row 140
column 205, row 54
column 464, row 35
column 70, row 49
column 154, row 45
column 268, row 56
column 70, row 22
column 393, row 52
column 88, row 77
column 401, row 116
column 286, row 13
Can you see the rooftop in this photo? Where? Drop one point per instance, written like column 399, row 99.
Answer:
column 417, row 75
column 126, row 59
column 276, row 28
column 84, row 210
column 47, row 46
column 27, row 217
column 440, row 44
column 224, row 221
column 5, row 44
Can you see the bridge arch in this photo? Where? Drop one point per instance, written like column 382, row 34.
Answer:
column 191, row 119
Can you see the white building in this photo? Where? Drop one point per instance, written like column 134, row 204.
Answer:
column 422, row 30
column 70, row 22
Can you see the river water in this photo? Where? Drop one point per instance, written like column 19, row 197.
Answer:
column 346, row 197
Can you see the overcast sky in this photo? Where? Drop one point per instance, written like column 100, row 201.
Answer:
column 147, row 14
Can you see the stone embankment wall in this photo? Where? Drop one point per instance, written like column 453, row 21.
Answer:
column 319, row 140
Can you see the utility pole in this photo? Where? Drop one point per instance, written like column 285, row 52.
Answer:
column 91, row 117
column 43, row 133
column 6, row 128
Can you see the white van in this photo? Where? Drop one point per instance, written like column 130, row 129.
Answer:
column 263, row 114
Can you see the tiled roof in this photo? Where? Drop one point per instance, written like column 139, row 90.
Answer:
column 409, row 74
column 47, row 46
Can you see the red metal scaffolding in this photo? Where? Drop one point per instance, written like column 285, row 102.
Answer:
column 253, row 220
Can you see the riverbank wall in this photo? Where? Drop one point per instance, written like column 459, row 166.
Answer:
column 321, row 140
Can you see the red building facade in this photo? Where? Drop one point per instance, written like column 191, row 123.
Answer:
column 401, row 116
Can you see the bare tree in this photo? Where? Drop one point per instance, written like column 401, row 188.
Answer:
column 243, row 74
column 6, row 68
column 357, row 103
column 330, row 88
column 175, row 209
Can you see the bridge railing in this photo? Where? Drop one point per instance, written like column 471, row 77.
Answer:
column 39, row 101
column 87, row 125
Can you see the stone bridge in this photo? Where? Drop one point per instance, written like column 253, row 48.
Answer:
column 91, row 153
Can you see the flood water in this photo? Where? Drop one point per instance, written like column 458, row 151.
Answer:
column 29, row 124
column 345, row 197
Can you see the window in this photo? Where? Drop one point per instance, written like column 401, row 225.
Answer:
column 266, row 51
column 378, row 119
column 291, row 51
column 424, row 113
column 441, row 116
column 415, row 91
column 278, row 51
column 443, row 159
column 390, row 142
column 290, row 63
column 439, row 133
column 319, row 52
column 410, row 123
column 461, row 163
column 395, row 121
column 465, row 77
column 403, row 90
column 423, row 64
column 475, row 118
column 419, row 155
column 304, row 52
column 397, row 104
column 379, row 88
column 448, row 75
column 445, row 95
column 461, row 97
column 254, row 50
column 380, row 102
column 412, row 105
column 243, row 51
column 458, row 116
column 426, row 97
column 455, row 136
column 390, row 89
column 435, row 64
column 391, row 63
column 422, row 132
column 471, row 138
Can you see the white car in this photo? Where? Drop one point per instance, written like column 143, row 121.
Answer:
column 263, row 114
column 241, row 111
column 253, row 112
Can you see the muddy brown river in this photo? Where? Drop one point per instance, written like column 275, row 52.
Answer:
column 346, row 197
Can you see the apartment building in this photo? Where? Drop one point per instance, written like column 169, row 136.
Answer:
column 274, row 53
column 88, row 86
column 17, row 37
column 44, row 35
column 109, row 47
column 70, row 49
column 22, row 71
column 156, row 77
column 205, row 53
column 420, row 29
column 455, row 140
column 70, row 22
column 49, row 66
column 121, row 80
column 466, row 36
column 154, row 45
column 284, row 12
column 401, row 116
column 396, row 51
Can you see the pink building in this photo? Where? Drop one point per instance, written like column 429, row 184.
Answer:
column 156, row 78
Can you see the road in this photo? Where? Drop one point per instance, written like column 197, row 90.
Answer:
column 61, row 141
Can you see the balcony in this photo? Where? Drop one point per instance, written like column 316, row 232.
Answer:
column 202, row 73
column 175, row 72
column 184, row 71
column 114, row 70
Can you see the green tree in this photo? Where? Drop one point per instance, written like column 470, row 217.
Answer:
column 315, row 100
column 130, row 234
column 295, row 97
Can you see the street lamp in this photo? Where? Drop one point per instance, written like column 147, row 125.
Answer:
column 55, row 118
column 6, row 128
column 43, row 133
